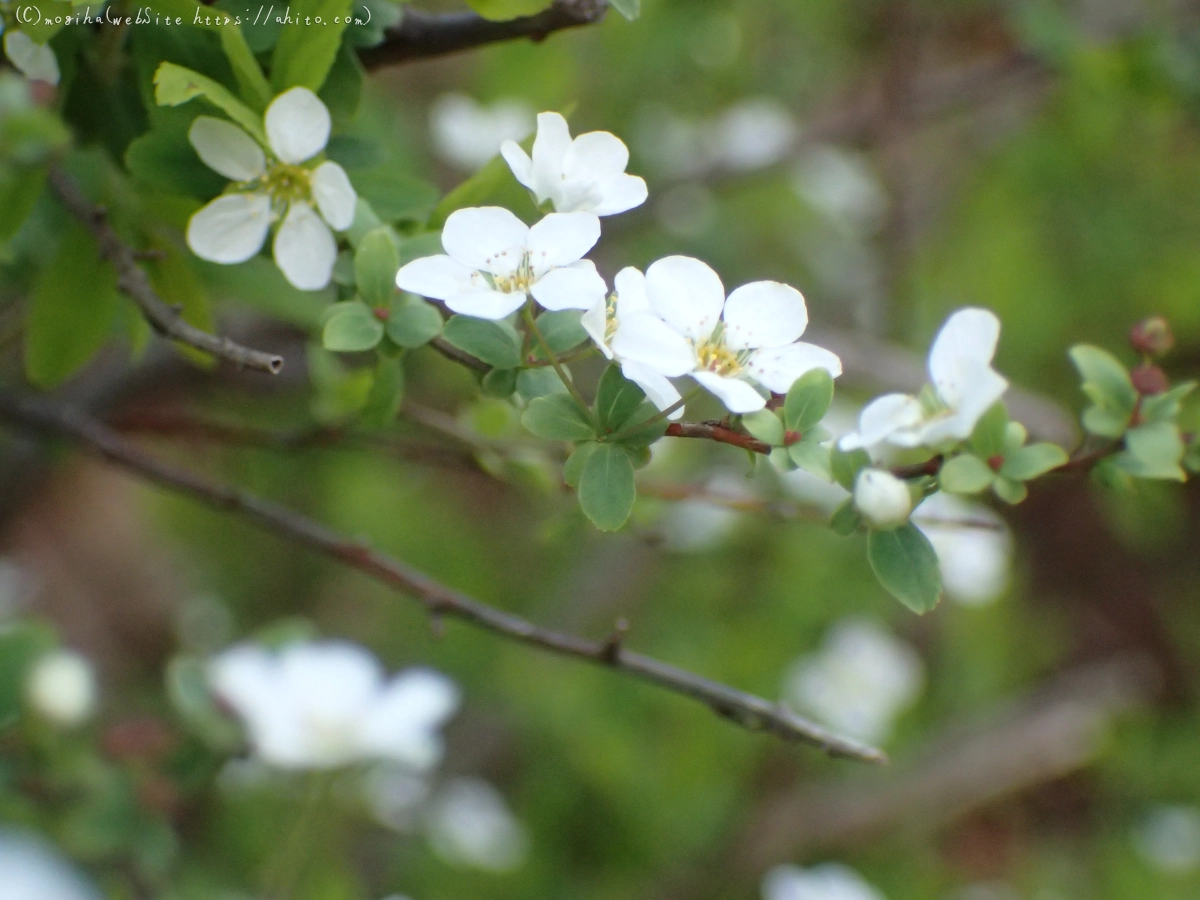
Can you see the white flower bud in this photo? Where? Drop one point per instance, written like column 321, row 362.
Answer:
column 882, row 498
column 62, row 688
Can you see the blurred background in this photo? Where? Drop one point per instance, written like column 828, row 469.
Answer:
column 894, row 159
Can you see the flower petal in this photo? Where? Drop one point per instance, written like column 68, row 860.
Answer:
column 764, row 314
column 645, row 338
column 737, row 395
column 488, row 238
column 883, row 418
column 305, row 249
column 549, row 149
column 630, row 284
column 440, row 278
column 577, row 286
column 778, row 367
column 658, row 389
column 518, row 160
column 231, row 228
column 334, row 194
column 402, row 725
column 226, row 149
column 687, row 294
column 966, row 340
column 561, row 239
column 595, row 323
column 594, row 157
column 297, row 124
column 35, row 61
column 620, row 193
column 487, row 304
column 981, row 387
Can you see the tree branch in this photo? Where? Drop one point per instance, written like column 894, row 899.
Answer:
column 420, row 35
column 710, row 431
column 134, row 284
column 747, row 710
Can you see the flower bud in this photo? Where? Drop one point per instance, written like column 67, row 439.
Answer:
column 62, row 688
column 882, row 498
column 1149, row 379
column 1152, row 336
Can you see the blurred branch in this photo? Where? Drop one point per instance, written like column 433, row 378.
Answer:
column 134, row 283
column 714, row 431
column 420, row 35
column 747, row 710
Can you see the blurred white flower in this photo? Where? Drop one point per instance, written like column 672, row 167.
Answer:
column 233, row 227
column 328, row 704
column 61, row 687
column 35, row 61
column 860, row 680
column 842, row 187
column 468, row 134
column 975, row 562
column 753, row 133
column 395, row 796
column 1168, row 838
column 586, row 174
column 494, row 262
column 31, row 870
column 828, row 881
column 882, row 498
column 471, row 825
column 692, row 526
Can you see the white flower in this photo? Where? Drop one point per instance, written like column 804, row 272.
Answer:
column 328, row 704
column 468, row 134
column 586, row 174
column 1169, row 838
column 964, row 382
column 828, row 881
column 858, row 682
column 282, row 186
column 471, row 825
column 494, row 261
column 882, row 498
column 975, row 562
column 722, row 343
column 32, row 870
column 35, row 61
column 62, row 688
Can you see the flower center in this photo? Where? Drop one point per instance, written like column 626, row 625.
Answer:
column 287, row 183
column 518, row 282
column 714, row 356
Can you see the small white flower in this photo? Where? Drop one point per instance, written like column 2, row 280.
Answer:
column 33, row 870
column 882, row 498
column 62, row 688
column 284, row 186
column 468, row 134
column 494, row 261
column 35, row 61
column 586, row 174
column 328, row 704
column 828, row 881
column 965, row 386
column 722, row 343
column 471, row 825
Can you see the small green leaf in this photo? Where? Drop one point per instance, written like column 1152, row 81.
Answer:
column 1012, row 492
column 175, row 85
column 500, row 10
column 616, row 398
column 781, row 459
column 557, row 417
column 846, row 518
column 1153, row 451
column 1104, row 422
column 1033, row 461
column 539, row 382
column 635, row 435
column 375, row 264
column 387, row 393
column 906, row 565
column 845, row 465
column 765, row 425
column 395, row 194
column 812, row 458
column 575, row 462
column 808, row 400
column 988, row 438
column 253, row 84
column 308, row 43
column 413, row 322
column 352, row 326
column 965, row 474
column 630, row 9
column 1015, row 436
column 419, row 246
column 1101, row 368
column 606, row 486
column 561, row 329
column 496, row 343
column 500, row 382
column 1165, row 406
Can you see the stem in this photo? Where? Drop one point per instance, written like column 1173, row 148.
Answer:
column 531, row 323
column 288, row 863
column 654, row 419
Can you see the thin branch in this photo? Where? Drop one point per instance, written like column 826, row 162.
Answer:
column 711, row 431
column 420, row 35
column 751, row 712
column 134, row 283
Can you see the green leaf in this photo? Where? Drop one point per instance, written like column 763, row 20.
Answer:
column 557, row 417
column 636, row 436
column 846, row 518
column 342, row 89
column 309, row 43
column 630, row 9
column 472, row 192
column 1153, row 451
column 561, row 329
column 616, row 398
column 500, row 10
column 352, row 326
column 812, row 458
column 765, row 425
column 413, row 322
column 906, row 565
column 576, row 461
column 606, row 486
column 991, row 432
column 163, row 160
column 539, row 382
column 172, row 276
column 781, row 459
column 1032, row 461
column 394, row 194
column 174, row 85
column 72, row 311
column 1165, row 406
column 845, row 466
column 496, row 343
column 375, row 264
column 1009, row 491
column 1015, row 436
column 387, row 393
column 420, row 246
column 1104, row 422
column 808, row 400
column 965, row 474
column 253, row 84
column 1107, row 383
column 500, row 382
column 19, row 192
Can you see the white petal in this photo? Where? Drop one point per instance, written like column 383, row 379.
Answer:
column 967, row 339
column 594, row 157
column 486, row 304
column 778, row 367
column 764, row 314
column 658, row 389
column 687, row 294
column 518, row 160
column 549, row 150
column 440, row 278
column 620, row 193
column 488, row 238
column 630, row 284
column 560, row 239
column 297, row 124
column 305, row 249
column 595, row 323
column 231, row 228
column 737, row 395
column 882, row 418
column 981, row 387
column 577, row 286
column 35, row 61
column 645, row 338
column 334, row 194
column 226, row 149
column 403, row 722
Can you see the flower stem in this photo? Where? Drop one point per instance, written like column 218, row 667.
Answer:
column 287, row 864
column 531, row 324
column 654, row 419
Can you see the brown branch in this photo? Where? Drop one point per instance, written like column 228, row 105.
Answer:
column 134, row 283
column 710, row 431
column 747, row 710
column 420, row 35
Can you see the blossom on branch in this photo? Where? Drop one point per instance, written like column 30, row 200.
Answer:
column 281, row 184
column 35, row 61
column 724, row 344
column 882, row 498
column 494, row 262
